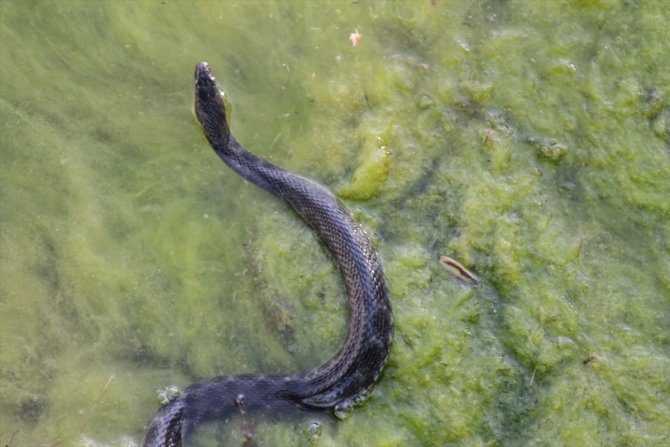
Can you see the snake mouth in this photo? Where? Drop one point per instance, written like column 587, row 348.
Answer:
column 205, row 83
column 203, row 76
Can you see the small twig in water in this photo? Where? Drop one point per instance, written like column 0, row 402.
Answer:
column 11, row 438
column 532, row 377
column 456, row 268
column 247, row 426
column 96, row 403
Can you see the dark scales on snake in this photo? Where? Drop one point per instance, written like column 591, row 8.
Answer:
column 341, row 381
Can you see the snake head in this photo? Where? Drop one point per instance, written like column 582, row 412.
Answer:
column 210, row 106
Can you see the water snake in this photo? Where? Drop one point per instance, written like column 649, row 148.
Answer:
column 341, row 381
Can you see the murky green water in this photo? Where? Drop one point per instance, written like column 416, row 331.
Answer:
column 528, row 140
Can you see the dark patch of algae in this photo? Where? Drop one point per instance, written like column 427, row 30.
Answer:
column 530, row 141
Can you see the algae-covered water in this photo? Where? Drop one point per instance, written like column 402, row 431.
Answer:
column 530, row 141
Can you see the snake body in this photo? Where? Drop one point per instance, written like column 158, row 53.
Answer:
column 341, row 381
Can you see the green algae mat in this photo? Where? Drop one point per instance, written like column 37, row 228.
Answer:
column 527, row 140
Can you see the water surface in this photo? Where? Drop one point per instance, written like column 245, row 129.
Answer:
column 530, row 141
